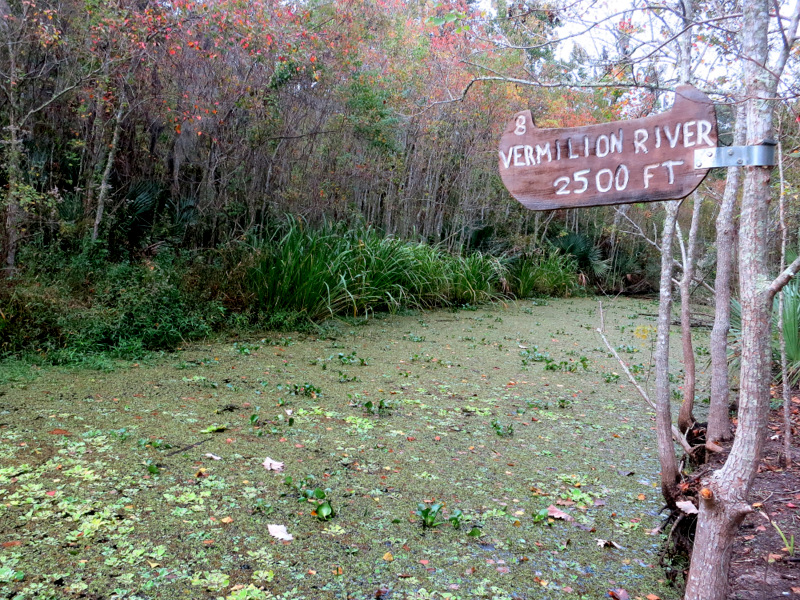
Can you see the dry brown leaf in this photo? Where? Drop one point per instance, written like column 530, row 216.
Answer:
column 226, row 520
column 774, row 557
column 555, row 513
column 652, row 597
column 687, row 507
column 388, row 557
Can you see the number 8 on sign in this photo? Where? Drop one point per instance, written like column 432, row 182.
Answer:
column 521, row 129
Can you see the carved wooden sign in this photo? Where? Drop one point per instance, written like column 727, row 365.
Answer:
column 640, row 160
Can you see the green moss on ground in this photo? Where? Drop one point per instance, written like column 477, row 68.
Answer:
column 108, row 486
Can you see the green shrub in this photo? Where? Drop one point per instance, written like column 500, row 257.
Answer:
column 65, row 306
column 550, row 274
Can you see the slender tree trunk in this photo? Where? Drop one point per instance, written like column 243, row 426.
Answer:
column 666, row 450
column 786, row 384
column 15, row 215
column 685, row 416
column 724, row 499
column 104, row 185
column 719, row 426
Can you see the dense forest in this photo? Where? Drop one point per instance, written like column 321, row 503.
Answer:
column 165, row 163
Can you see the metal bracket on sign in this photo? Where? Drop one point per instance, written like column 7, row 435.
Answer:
column 735, row 156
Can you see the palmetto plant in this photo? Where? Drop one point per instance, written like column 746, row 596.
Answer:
column 791, row 331
column 585, row 252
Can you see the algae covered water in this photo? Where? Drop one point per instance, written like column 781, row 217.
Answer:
column 486, row 453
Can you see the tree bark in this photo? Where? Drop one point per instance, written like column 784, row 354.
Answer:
column 786, row 385
column 104, row 185
column 666, row 451
column 723, row 500
column 719, row 425
column 686, row 418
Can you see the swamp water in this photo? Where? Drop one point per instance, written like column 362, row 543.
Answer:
column 149, row 481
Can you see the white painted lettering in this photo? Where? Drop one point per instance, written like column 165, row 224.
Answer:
column 521, row 125
column 507, row 159
column 558, row 150
column 569, row 147
column 579, row 177
column 586, row 145
column 647, row 175
column 543, row 151
column 530, row 159
column 673, row 139
column 616, row 142
column 669, row 164
column 640, row 136
column 622, row 171
column 601, row 140
column 563, row 182
column 658, row 137
column 703, row 129
column 518, row 156
column 602, row 187
column 688, row 134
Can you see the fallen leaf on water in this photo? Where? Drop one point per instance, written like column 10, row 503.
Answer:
column 272, row 465
column 11, row 544
column 226, row 520
column 279, row 532
column 503, row 570
column 652, row 597
column 59, row 432
column 619, row 594
column 555, row 513
column 153, row 565
column 609, row 543
column 214, row 456
column 687, row 507
column 388, row 557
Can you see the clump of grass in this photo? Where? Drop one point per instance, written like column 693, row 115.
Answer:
column 543, row 274
column 337, row 271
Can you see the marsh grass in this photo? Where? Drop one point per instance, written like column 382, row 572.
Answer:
column 69, row 305
column 334, row 270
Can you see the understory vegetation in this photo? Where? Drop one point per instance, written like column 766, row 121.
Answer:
column 68, row 303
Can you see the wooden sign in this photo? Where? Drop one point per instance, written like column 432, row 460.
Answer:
column 641, row 160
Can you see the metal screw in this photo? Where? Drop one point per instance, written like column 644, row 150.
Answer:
column 698, row 164
column 710, row 153
column 739, row 162
column 730, row 152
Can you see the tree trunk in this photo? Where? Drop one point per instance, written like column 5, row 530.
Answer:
column 785, row 381
column 666, row 451
column 686, row 417
column 15, row 215
column 104, row 185
column 719, row 426
column 723, row 500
